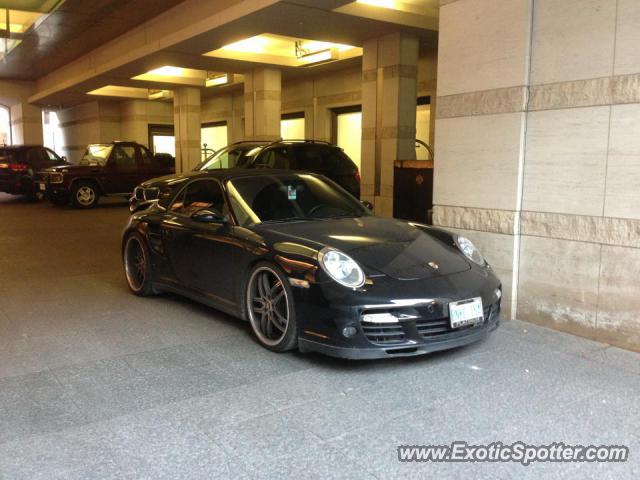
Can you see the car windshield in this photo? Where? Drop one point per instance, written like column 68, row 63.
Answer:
column 289, row 197
column 230, row 157
column 96, row 155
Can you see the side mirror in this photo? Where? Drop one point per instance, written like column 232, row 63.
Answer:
column 64, row 158
column 367, row 204
column 207, row 215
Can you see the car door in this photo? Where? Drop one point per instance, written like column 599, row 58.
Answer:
column 147, row 168
column 36, row 159
column 154, row 166
column 122, row 170
column 200, row 254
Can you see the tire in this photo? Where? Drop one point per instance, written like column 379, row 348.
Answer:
column 59, row 201
column 270, row 308
column 137, row 265
column 84, row 194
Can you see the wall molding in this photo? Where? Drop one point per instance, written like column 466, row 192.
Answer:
column 340, row 98
column 485, row 102
column 480, row 219
column 297, row 104
column 620, row 232
column 93, row 119
column 613, row 90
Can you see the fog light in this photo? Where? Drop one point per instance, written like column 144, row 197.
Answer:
column 349, row 331
column 498, row 293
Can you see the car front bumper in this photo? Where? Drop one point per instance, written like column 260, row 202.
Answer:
column 324, row 311
column 48, row 189
column 410, row 349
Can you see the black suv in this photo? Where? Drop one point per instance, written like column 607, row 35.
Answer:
column 105, row 169
column 306, row 155
column 19, row 164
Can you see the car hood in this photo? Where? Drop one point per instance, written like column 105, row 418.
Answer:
column 393, row 247
column 168, row 180
column 74, row 169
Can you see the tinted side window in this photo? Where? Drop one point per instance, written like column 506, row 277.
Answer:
column 51, row 156
column 124, row 156
column 274, row 158
column 311, row 159
column 145, row 156
column 35, row 156
column 336, row 161
column 10, row 156
column 198, row 195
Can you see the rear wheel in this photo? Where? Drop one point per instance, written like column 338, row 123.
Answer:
column 137, row 265
column 84, row 194
column 269, row 303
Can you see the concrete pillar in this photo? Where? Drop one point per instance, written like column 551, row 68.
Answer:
column 186, row 114
column 262, row 104
column 389, row 91
column 26, row 124
column 236, row 127
column 481, row 126
column 134, row 123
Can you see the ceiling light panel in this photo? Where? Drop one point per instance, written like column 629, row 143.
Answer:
column 176, row 75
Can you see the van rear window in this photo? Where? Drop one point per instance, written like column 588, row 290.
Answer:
column 9, row 156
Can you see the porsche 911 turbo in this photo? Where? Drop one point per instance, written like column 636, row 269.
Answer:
column 310, row 267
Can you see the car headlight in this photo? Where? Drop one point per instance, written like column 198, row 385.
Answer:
column 341, row 267
column 56, row 177
column 469, row 250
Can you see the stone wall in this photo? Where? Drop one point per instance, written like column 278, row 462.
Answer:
column 538, row 155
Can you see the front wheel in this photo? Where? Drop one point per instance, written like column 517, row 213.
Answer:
column 269, row 303
column 137, row 265
column 84, row 195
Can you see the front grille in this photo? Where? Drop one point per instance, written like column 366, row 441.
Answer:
column 429, row 328
column 383, row 333
column 429, row 324
column 439, row 326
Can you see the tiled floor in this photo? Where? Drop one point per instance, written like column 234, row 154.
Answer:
column 97, row 383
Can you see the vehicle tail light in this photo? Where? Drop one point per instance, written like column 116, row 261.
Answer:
column 18, row 167
column 357, row 175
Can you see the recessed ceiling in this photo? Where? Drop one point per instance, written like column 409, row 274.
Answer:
column 414, row 13
column 286, row 51
column 131, row 92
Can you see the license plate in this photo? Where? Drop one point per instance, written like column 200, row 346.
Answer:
column 466, row 312
column 42, row 186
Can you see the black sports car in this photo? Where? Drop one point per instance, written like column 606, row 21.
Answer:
column 310, row 267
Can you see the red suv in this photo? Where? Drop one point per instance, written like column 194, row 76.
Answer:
column 105, row 169
column 18, row 164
